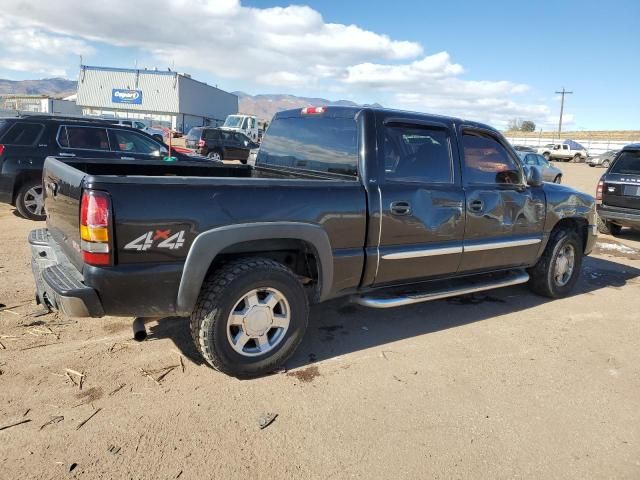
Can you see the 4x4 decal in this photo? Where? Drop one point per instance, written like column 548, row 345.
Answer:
column 146, row 241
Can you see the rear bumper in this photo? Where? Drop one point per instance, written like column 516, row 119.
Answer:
column 625, row 218
column 59, row 284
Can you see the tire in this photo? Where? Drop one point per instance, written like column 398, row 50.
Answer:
column 577, row 158
column 608, row 228
column 30, row 202
column 226, row 291
column 606, row 164
column 547, row 156
column 558, row 179
column 544, row 275
column 215, row 155
column 592, row 165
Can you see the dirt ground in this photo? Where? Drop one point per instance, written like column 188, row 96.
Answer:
column 500, row 385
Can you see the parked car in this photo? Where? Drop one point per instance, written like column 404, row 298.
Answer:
column 26, row 141
column 220, row 144
column 391, row 208
column 618, row 192
column 155, row 132
column 565, row 152
column 603, row 159
column 524, row 148
column 550, row 173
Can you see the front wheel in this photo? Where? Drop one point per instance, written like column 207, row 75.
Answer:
column 577, row 158
column 250, row 317
column 30, row 201
column 547, row 156
column 216, row 156
column 557, row 271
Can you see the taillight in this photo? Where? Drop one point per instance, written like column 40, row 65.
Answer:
column 1, row 149
column 599, row 192
column 201, row 143
column 313, row 110
column 94, row 228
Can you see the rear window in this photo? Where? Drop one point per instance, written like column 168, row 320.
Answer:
column 627, row 163
column 21, row 133
column 211, row 134
column 315, row 142
column 195, row 133
column 85, row 138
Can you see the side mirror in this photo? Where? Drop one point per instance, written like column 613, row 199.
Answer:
column 534, row 175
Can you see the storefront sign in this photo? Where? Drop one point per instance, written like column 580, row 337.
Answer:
column 126, row 96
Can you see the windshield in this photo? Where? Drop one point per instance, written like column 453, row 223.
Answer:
column 627, row 163
column 195, row 133
column 233, row 121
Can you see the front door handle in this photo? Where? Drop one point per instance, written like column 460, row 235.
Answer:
column 400, row 208
column 476, row 206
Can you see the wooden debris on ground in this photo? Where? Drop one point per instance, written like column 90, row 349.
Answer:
column 5, row 427
column 164, row 371
column 81, row 377
column 54, row 419
column 81, row 424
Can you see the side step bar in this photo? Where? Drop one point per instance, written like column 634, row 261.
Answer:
column 514, row 278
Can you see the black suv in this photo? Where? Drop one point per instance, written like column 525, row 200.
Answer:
column 26, row 141
column 219, row 144
column 618, row 194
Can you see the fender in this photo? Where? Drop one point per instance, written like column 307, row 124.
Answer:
column 210, row 243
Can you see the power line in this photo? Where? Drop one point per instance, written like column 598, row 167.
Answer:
column 563, row 93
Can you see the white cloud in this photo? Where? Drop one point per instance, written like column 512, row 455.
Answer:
column 285, row 48
column 30, row 49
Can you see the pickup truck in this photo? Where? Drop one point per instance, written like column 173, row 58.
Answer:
column 565, row 152
column 388, row 208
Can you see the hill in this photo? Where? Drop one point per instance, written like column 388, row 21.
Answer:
column 265, row 106
column 56, row 87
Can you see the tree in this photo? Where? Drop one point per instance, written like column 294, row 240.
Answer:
column 514, row 124
column 528, row 126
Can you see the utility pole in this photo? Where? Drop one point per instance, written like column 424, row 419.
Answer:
column 563, row 93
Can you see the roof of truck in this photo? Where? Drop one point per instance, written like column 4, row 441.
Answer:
column 632, row 146
column 353, row 110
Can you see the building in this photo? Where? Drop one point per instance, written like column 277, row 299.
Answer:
column 157, row 97
column 39, row 104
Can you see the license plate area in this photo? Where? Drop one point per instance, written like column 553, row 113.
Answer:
column 631, row 191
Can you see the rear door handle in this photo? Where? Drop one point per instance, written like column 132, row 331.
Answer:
column 476, row 206
column 400, row 208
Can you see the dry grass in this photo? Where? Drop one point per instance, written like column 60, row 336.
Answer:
column 623, row 135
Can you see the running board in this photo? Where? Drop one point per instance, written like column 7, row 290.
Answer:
column 514, row 278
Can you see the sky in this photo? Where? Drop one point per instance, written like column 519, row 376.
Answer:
column 487, row 61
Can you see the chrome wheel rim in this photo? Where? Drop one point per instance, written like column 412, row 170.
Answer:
column 565, row 264
column 215, row 156
column 258, row 322
column 33, row 200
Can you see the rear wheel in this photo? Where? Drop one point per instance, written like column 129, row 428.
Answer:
column 606, row 164
column 577, row 158
column 547, row 156
column 557, row 271
column 608, row 228
column 30, row 201
column 215, row 155
column 250, row 317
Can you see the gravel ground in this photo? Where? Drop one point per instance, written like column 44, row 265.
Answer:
column 499, row 385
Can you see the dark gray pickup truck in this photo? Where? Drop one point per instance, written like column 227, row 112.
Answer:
column 390, row 208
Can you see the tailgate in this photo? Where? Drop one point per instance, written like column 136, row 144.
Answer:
column 622, row 182
column 62, row 193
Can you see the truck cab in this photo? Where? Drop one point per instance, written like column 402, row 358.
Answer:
column 247, row 124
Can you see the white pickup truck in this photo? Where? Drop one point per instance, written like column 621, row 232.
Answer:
column 564, row 152
column 247, row 124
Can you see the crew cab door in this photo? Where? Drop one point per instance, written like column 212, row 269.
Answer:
column 422, row 201
column 131, row 145
column 504, row 217
column 83, row 141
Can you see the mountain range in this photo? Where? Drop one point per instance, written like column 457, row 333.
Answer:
column 263, row 106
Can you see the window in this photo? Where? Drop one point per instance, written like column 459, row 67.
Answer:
column 628, row 163
column 313, row 142
column 195, row 133
column 139, row 125
column 245, row 124
column 417, row 154
column 487, row 161
column 126, row 123
column 86, row 138
column 211, row 134
column 125, row 141
column 531, row 160
column 22, row 134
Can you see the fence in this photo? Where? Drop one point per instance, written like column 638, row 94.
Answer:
column 594, row 146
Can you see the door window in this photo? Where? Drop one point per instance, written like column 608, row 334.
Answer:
column 418, row 154
column 531, row 160
column 487, row 161
column 85, row 138
column 23, row 134
column 132, row 142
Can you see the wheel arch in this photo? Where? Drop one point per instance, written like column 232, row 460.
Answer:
column 213, row 247
column 578, row 224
